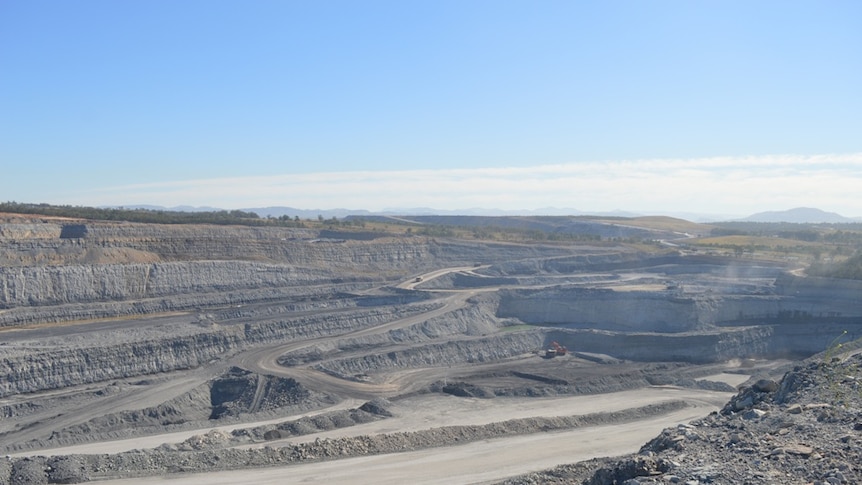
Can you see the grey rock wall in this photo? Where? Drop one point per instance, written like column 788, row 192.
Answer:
column 51, row 285
column 796, row 300
column 439, row 354
column 58, row 368
column 471, row 321
column 600, row 308
column 167, row 303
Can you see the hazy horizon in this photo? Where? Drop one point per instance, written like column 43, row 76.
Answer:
column 716, row 186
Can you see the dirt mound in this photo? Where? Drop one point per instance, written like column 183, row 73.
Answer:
column 379, row 407
column 370, row 411
column 462, row 389
column 242, row 392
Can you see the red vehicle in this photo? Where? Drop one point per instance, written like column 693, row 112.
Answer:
column 554, row 350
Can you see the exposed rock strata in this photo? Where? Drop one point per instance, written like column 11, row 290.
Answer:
column 32, row 370
column 442, row 354
column 51, row 285
column 602, row 308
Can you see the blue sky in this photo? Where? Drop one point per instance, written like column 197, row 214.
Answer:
column 667, row 106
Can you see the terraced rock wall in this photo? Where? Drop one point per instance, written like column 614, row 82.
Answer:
column 439, row 354
column 51, row 264
column 30, row 369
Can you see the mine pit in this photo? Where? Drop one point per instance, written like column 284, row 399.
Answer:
column 203, row 360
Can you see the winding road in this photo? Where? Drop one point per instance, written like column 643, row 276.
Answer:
column 265, row 360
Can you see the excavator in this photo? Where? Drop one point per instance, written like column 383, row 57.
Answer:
column 554, row 350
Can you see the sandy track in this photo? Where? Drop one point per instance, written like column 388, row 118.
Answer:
column 481, row 461
column 426, row 412
column 464, row 464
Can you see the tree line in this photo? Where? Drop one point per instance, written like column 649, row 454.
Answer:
column 850, row 269
column 136, row 215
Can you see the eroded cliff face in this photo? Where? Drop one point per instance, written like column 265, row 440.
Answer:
column 602, row 308
column 440, row 354
column 51, row 285
column 54, row 368
column 793, row 301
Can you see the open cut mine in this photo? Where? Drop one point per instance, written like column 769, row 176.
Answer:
column 148, row 353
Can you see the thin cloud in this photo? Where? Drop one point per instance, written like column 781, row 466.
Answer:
column 727, row 185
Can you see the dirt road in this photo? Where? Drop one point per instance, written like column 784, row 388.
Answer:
column 480, row 461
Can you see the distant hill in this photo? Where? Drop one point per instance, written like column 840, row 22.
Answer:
column 799, row 215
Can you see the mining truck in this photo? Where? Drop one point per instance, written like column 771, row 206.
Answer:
column 555, row 350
